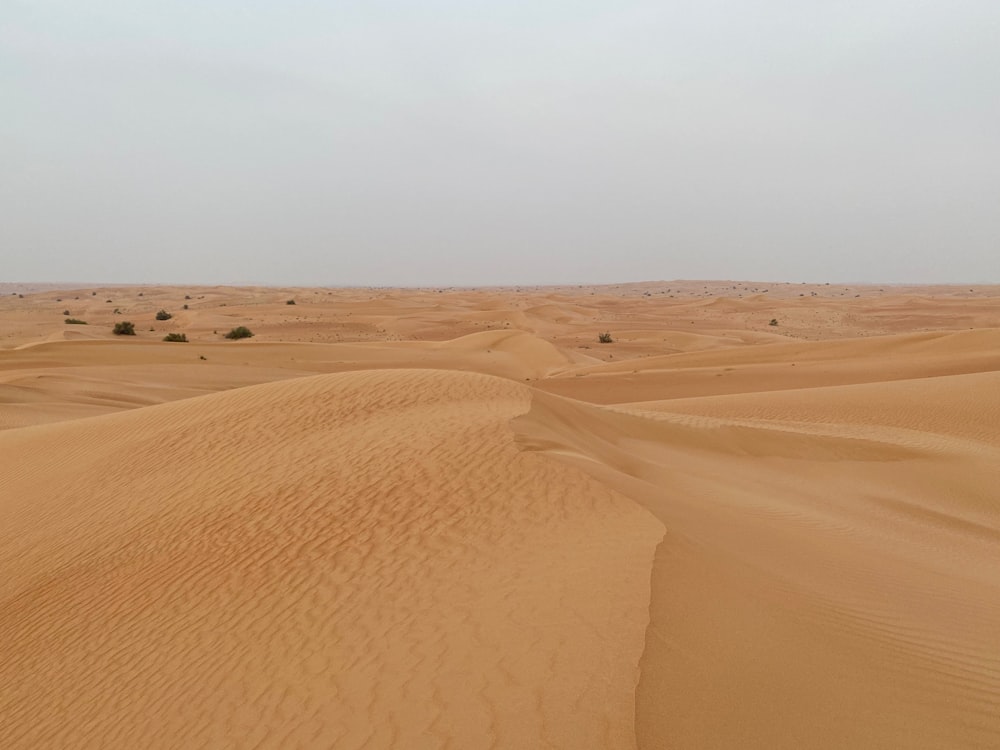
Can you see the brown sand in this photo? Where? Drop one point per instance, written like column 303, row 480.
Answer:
column 451, row 518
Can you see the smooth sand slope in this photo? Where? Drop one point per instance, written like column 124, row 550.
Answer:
column 451, row 518
column 821, row 584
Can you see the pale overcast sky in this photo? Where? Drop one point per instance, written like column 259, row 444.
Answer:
column 445, row 142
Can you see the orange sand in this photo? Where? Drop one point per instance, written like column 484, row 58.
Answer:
column 452, row 519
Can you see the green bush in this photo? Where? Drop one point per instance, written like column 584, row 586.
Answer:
column 163, row 315
column 65, row 312
column 605, row 338
column 181, row 337
column 774, row 322
column 125, row 328
column 290, row 302
column 75, row 322
column 240, row 332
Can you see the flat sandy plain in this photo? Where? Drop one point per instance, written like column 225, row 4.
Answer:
column 452, row 519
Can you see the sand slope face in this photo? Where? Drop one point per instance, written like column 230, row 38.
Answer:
column 355, row 560
column 829, row 577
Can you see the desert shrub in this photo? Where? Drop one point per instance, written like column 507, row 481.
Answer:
column 240, row 332
column 163, row 315
column 290, row 302
column 181, row 337
column 774, row 322
column 124, row 328
column 187, row 296
column 65, row 312
column 605, row 338
column 185, row 307
column 75, row 322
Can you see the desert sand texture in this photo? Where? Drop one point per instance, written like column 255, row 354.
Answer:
column 451, row 518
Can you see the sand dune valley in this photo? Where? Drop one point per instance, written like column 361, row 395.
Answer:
column 451, row 518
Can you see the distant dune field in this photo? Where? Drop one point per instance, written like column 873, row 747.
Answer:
column 762, row 516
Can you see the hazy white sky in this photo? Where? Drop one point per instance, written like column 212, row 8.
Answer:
column 446, row 142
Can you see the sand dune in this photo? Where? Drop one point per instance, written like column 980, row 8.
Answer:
column 336, row 561
column 782, row 366
column 832, row 584
column 451, row 518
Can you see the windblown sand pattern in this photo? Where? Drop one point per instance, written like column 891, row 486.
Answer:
column 452, row 519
